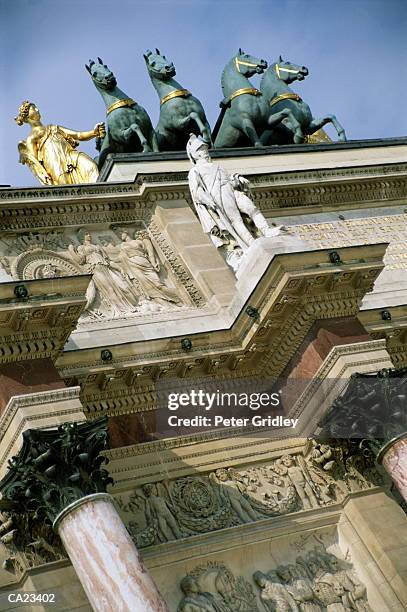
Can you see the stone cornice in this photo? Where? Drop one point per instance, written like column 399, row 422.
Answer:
column 296, row 291
column 34, row 399
column 274, row 192
column 353, row 193
column 145, row 449
column 198, row 454
column 38, row 323
column 250, row 152
column 390, row 324
column 341, row 362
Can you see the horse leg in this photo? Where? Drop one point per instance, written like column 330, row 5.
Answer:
column 292, row 123
column 203, row 127
column 104, row 152
column 154, row 142
column 277, row 118
column 250, row 131
column 317, row 124
column 135, row 129
column 227, row 136
column 208, row 130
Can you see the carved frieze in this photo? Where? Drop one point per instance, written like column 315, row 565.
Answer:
column 365, row 230
column 129, row 276
column 318, row 580
column 315, row 581
column 227, row 593
column 174, row 509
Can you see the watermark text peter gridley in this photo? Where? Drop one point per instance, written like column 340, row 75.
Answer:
column 217, row 403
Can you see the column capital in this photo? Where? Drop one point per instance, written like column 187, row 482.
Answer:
column 56, row 467
column 371, row 410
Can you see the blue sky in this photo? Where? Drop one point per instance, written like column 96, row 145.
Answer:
column 355, row 50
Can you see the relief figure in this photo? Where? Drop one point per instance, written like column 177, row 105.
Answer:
column 326, row 586
column 116, row 295
column 355, row 597
column 300, row 480
column 273, row 594
column 138, row 262
column 157, row 508
column 299, row 588
column 195, row 600
column 231, row 490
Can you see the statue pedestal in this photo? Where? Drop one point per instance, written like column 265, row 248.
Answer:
column 257, row 258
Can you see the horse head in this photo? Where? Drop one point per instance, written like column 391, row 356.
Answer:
column 248, row 65
column 158, row 66
column 289, row 72
column 101, row 75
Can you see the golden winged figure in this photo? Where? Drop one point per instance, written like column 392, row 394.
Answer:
column 50, row 150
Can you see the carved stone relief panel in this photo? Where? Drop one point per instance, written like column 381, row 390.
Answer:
column 26, row 542
column 131, row 273
column 213, row 587
column 315, row 576
column 174, row 509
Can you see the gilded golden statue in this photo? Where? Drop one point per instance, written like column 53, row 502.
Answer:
column 49, row 150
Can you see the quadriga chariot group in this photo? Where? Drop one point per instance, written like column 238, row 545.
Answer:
column 273, row 114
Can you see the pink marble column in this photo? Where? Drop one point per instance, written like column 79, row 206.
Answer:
column 105, row 558
column 393, row 456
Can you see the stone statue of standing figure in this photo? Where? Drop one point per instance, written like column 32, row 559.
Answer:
column 223, row 204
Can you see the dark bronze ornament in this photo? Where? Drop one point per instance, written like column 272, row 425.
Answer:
column 334, row 257
column 371, row 411
column 21, row 292
column 106, row 355
column 386, row 315
column 252, row 312
column 186, row 344
column 56, row 467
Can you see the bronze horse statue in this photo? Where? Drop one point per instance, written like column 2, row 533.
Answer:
column 241, row 121
column 180, row 112
column 129, row 128
column 285, row 112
